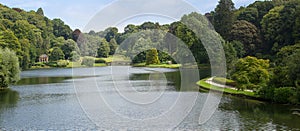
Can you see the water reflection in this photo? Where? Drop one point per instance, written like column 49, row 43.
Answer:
column 42, row 80
column 261, row 115
column 8, row 98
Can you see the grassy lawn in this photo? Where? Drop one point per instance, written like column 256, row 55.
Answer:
column 208, row 86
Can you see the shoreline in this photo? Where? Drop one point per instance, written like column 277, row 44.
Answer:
column 204, row 85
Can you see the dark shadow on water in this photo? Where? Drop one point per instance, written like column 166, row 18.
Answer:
column 253, row 112
column 8, row 98
column 173, row 78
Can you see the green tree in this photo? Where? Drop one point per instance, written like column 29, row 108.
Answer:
column 271, row 25
column 88, row 61
column 251, row 73
column 9, row 68
column 152, row 57
column 57, row 54
column 10, row 14
column 60, row 29
column 239, row 48
column 9, row 40
column 113, row 46
column 25, row 54
column 149, row 25
column 40, row 11
column 247, row 34
column 111, row 33
column 131, row 29
column 223, row 18
column 68, row 47
column 103, row 50
column 231, row 56
column 74, row 56
column 249, row 14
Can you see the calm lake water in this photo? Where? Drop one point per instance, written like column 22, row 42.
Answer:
column 57, row 99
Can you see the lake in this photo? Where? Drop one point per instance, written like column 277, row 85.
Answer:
column 131, row 99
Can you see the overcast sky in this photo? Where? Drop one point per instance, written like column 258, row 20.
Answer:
column 77, row 13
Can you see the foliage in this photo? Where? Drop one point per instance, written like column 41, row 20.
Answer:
column 88, row 61
column 112, row 46
column 251, row 73
column 249, row 14
column 40, row 11
column 57, row 54
column 152, row 57
column 62, row 63
column 60, row 29
column 231, row 56
column 104, row 49
column 223, row 17
column 283, row 94
column 68, row 47
column 9, row 68
column 239, row 48
column 247, row 34
column 74, row 56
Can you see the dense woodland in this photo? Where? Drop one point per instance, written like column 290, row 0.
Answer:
column 261, row 43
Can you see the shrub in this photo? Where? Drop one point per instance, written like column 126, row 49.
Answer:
column 56, row 54
column 100, row 61
column 152, row 57
column 62, row 63
column 9, row 68
column 88, row 61
column 52, row 64
column 283, row 94
column 39, row 64
column 74, row 56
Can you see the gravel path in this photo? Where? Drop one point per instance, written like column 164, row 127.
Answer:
column 210, row 81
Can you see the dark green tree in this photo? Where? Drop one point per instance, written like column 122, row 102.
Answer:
column 249, row 14
column 248, row 34
column 111, row 33
column 74, row 56
column 113, row 46
column 152, row 57
column 271, row 28
column 60, row 29
column 56, row 54
column 68, row 47
column 9, row 68
column 9, row 40
column 223, row 18
column 103, row 50
column 40, row 11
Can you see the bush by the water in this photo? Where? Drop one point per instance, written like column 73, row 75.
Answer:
column 62, row 63
column 100, row 61
column 39, row 64
column 88, row 61
column 283, row 94
column 9, row 68
column 152, row 57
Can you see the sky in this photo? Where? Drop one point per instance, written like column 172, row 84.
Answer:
column 78, row 13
